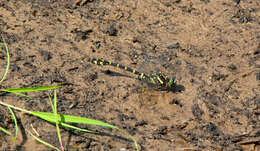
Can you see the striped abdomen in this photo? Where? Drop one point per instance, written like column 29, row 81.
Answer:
column 102, row 62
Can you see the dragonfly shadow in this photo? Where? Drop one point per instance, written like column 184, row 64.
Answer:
column 113, row 73
column 176, row 88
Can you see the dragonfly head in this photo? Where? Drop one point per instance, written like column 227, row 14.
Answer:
column 171, row 82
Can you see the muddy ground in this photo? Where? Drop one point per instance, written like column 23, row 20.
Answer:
column 211, row 47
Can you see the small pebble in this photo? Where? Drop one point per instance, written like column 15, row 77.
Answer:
column 237, row 1
column 257, row 52
column 112, row 31
column 258, row 76
column 232, row 67
column 174, row 46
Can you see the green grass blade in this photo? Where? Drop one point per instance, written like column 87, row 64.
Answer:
column 56, row 118
column 48, row 117
column 68, row 118
column 77, row 128
column 72, row 119
column 15, row 123
column 131, row 137
column 55, row 105
column 51, row 118
column 82, row 120
column 43, row 142
column 16, row 108
column 5, row 131
column 8, row 60
column 19, row 90
column 50, row 100
column 20, row 94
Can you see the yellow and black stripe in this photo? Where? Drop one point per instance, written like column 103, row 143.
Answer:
column 102, row 62
column 160, row 79
column 157, row 79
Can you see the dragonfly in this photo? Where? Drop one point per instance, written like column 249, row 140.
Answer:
column 157, row 79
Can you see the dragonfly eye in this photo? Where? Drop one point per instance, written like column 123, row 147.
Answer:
column 171, row 82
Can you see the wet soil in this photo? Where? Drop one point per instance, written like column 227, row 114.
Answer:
column 211, row 47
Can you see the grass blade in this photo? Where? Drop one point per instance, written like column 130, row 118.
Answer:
column 19, row 90
column 56, row 118
column 20, row 94
column 50, row 100
column 131, row 137
column 8, row 60
column 51, row 118
column 43, row 142
column 72, row 119
column 15, row 123
column 5, row 131
column 16, row 108
column 77, row 128
column 63, row 119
